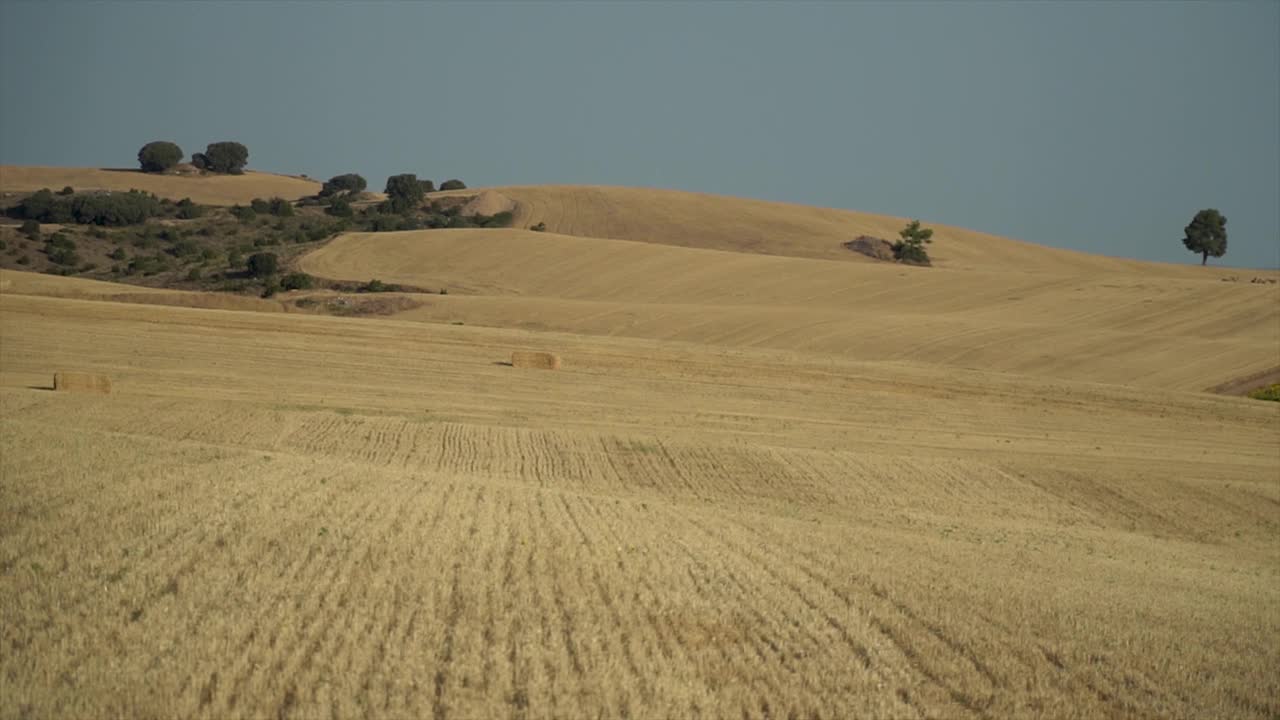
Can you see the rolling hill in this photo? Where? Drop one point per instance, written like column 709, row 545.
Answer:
column 206, row 189
column 1138, row 328
column 770, row 480
column 717, row 222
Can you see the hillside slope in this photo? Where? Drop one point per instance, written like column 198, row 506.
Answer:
column 1162, row 332
column 719, row 222
column 293, row 516
column 205, row 189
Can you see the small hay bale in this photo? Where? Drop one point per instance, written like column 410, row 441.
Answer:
column 79, row 382
column 540, row 360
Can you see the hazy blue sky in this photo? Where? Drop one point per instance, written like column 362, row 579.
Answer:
column 1101, row 127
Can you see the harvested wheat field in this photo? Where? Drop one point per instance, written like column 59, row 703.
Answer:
column 203, row 189
column 760, row 486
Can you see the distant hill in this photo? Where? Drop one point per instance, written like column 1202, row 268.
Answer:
column 718, row 222
column 203, row 189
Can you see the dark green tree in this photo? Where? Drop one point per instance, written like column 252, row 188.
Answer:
column 349, row 183
column 910, row 249
column 263, row 264
column 453, row 185
column 1207, row 234
column 404, row 192
column 225, row 157
column 159, row 156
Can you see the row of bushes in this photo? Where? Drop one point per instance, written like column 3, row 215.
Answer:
column 128, row 208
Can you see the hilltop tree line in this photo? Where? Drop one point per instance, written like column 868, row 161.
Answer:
column 225, row 157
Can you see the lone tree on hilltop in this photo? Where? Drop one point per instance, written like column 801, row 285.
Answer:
column 910, row 249
column 222, row 157
column 349, row 183
column 159, row 156
column 453, row 185
column 404, row 192
column 1207, row 234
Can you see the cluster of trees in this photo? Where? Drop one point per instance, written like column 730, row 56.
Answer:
column 220, row 157
column 128, row 208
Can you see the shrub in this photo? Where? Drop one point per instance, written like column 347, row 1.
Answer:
column 296, row 281
column 207, row 254
column 185, row 249
column 63, row 256
column 225, row 157
column 379, row 222
column 188, row 210
column 347, row 183
column 199, row 161
column 404, row 192
column 148, row 265
column 540, row 227
column 193, row 274
column 159, row 156
column 280, row 207
column 97, row 232
column 427, row 186
column 234, row 258
column 263, row 264
column 339, row 208
column 242, row 213
column 320, row 232
column 1271, row 392
column 24, row 260
column 453, row 185
column 374, row 286
column 31, row 229
column 260, row 206
column 61, row 240
column 270, row 288
column 130, row 208
column 43, row 206
column 118, row 254
column 68, row 190
column 910, row 249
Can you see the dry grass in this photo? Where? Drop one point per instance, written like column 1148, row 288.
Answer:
column 206, row 190
column 81, row 382
column 539, row 360
column 1120, row 326
column 718, row 222
column 395, row 526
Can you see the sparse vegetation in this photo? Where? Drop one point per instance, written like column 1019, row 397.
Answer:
column 159, row 156
column 1270, row 392
column 1207, row 235
column 296, row 281
column 540, row 227
column 910, row 249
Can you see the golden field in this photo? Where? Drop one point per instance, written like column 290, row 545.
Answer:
column 205, row 190
column 766, row 483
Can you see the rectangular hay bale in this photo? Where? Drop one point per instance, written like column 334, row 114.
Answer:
column 540, row 360
column 80, row 382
